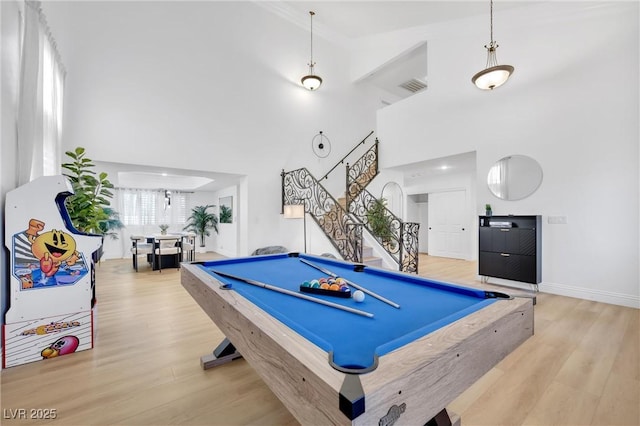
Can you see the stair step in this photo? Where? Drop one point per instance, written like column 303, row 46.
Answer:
column 372, row 261
column 342, row 202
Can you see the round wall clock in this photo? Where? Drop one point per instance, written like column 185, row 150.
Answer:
column 321, row 145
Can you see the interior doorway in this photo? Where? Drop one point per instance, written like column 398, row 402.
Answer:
column 448, row 231
column 418, row 211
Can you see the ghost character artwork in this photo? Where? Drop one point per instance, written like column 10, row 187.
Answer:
column 48, row 257
column 62, row 346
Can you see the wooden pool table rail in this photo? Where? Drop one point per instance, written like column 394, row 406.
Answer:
column 426, row 374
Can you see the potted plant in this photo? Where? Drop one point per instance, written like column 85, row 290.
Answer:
column 89, row 206
column 487, row 208
column 163, row 229
column 379, row 222
column 201, row 221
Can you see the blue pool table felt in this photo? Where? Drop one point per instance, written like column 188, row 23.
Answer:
column 354, row 340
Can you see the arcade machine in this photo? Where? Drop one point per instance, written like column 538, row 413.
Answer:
column 52, row 281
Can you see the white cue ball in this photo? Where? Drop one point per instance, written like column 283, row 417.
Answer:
column 358, row 296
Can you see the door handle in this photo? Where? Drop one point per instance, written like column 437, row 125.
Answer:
column 505, row 254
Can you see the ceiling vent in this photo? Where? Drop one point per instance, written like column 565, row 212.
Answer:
column 414, row 85
column 403, row 75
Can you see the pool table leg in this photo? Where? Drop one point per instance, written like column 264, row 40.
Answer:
column 444, row 419
column 224, row 353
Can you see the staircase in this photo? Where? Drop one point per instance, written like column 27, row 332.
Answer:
column 343, row 220
column 368, row 257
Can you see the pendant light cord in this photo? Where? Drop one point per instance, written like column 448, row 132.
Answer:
column 311, row 13
column 491, row 25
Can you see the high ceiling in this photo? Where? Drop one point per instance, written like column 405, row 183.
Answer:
column 345, row 20
column 339, row 21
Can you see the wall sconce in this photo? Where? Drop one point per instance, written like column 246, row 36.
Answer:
column 493, row 75
column 297, row 211
column 311, row 81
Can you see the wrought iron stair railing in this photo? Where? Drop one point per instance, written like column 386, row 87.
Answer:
column 399, row 239
column 343, row 226
column 299, row 186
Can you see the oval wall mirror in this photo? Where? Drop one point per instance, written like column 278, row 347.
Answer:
column 514, row 177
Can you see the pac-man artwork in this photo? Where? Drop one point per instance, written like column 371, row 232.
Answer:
column 46, row 257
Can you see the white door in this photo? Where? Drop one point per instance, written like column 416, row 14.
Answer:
column 448, row 232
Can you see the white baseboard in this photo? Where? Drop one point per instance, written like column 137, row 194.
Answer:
column 226, row 253
column 601, row 296
column 610, row 297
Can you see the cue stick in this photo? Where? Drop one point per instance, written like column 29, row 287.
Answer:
column 294, row 294
column 351, row 283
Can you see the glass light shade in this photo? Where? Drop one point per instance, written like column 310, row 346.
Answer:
column 490, row 78
column 311, row 82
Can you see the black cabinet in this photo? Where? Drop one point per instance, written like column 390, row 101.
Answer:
column 510, row 248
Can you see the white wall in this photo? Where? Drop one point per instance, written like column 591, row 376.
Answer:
column 210, row 86
column 572, row 104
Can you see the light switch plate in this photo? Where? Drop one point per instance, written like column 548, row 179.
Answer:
column 557, row 220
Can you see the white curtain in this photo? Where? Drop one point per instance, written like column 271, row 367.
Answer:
column 40, row 98
column 143, row 211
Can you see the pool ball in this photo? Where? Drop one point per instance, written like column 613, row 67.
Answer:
column 324, row 286
column 358, row 296
column 306, row 284
column 334, row 287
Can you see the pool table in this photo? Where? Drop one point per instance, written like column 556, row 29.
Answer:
column 396, row 365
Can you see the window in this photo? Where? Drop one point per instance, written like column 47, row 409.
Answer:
column 139, row 207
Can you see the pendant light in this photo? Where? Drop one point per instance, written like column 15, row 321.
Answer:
column 311, row 81
column 493, row 75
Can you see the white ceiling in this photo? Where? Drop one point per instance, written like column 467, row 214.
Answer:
column 137, row 176
column 346, row 20
column 462, row 164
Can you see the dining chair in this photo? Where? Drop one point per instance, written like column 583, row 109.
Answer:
column 189, row 246
column 139, row 247
column 166, row 245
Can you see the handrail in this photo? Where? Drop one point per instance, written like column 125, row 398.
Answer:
column 344, row 233
column 402, row 242
column 345, row 157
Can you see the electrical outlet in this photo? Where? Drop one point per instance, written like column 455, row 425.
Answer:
column 557, row 220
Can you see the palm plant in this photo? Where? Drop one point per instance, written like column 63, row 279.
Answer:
column 201, row 221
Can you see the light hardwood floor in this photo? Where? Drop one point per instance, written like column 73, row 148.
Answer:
column 582, row 366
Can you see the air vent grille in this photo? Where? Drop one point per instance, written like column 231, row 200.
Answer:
column 414, row 85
